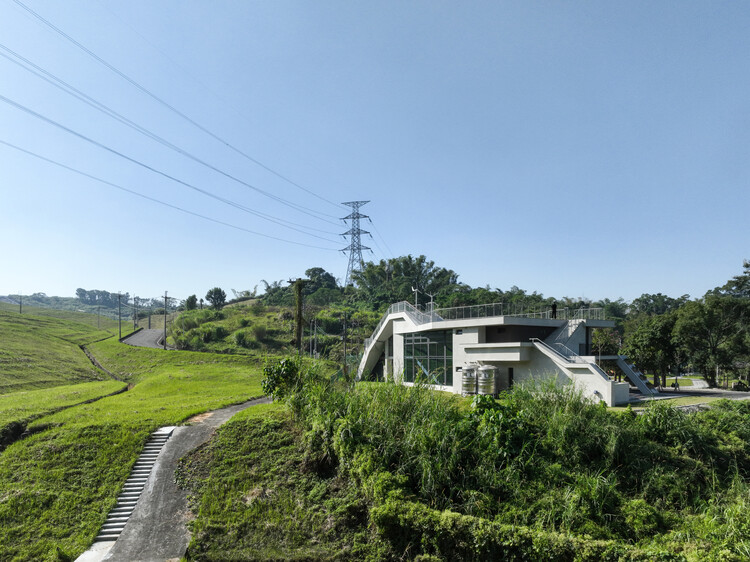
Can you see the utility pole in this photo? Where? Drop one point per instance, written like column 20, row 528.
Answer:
column 355, row 246
column 149, row 314
column 98, row 316
column 165, row 320
column 20, row 303
column 298, row 284
column 135, row 313
column 344, row 344
column 119, row 313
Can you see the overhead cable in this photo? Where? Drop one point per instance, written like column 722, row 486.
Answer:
column 148, row 167
column 160, row 202
column 85, row 98
column 169, row 106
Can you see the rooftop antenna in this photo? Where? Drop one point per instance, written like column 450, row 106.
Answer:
column 432, row 302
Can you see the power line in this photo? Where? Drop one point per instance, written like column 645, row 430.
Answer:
column 382, row 239
column 149, row 198
column 85, row 98
column 168, row 105
column 151, row 168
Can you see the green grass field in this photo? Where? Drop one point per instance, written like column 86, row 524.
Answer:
column 28, row 405
column 43, row 351
column 58, row 484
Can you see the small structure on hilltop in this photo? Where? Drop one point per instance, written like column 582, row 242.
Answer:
column 486, row 349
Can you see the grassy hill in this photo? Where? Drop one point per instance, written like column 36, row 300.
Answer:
column 57, row 485
column 253, row 328
column 43, row 351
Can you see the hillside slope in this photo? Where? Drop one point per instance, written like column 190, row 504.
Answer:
column 38, row 352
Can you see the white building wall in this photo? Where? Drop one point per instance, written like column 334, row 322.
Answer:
column 460, row 359
column 398, row 357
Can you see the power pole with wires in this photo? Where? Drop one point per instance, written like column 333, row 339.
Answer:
column 298, row 284
column 355, row 246
column 165, row 319
column 119, row 313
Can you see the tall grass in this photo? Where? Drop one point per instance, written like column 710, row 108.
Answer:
column 542, row 457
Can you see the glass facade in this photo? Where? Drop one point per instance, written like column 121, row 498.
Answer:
column 428, row 356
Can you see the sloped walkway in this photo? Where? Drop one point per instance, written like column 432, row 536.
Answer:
column 146, row 338
column 157, row 529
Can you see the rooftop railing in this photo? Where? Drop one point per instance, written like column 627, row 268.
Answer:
column 485, row 311
column 502, row 309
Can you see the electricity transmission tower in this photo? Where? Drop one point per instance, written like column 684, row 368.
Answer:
column 355, row 246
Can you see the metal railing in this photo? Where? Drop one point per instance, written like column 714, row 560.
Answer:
column 484, row 311
column 417, row 315
column 503, row 309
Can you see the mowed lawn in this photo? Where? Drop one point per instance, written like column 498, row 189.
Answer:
column 30, row 404
column 57, row 486
column 41, row 351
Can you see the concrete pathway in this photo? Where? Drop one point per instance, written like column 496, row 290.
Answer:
column 146, row 338
column 157, row 529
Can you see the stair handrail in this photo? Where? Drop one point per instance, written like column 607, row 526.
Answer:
column 595, row 370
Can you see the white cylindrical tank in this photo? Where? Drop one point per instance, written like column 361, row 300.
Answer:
column 486, row 380
column 469, row 380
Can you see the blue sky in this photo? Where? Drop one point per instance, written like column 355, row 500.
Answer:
column 575, row 149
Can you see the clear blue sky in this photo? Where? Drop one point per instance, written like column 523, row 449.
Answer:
column 581, row 149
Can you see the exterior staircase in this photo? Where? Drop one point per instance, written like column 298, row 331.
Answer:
column 635, row 376
column 131, row 491
column 585, row 374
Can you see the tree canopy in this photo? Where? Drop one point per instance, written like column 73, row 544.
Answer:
column 217, row 297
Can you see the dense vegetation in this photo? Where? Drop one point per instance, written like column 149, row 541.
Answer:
column 540, row 475
column 663, row 335
column 377, row 471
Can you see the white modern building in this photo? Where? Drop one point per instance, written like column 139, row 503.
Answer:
column 444, row 346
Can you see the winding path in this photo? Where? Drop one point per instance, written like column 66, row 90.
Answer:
column 146, row 338
column 157, row 529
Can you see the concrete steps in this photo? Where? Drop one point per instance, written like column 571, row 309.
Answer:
column 134, row 485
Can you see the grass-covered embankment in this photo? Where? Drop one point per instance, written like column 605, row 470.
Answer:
column 57, row 485
column 262, row 497
column 541, row 475
column 18, row 409
column 39, row 352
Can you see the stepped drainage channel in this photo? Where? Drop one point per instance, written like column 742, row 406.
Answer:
column 134, row 485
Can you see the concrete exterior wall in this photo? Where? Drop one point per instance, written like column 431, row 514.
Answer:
column 528, row 362
column 398, row 357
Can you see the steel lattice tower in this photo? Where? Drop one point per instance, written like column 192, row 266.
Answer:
column 355, row 246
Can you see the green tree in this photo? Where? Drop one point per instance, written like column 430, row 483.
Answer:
column 386, row 282
column 739, row 285
column 653, row 347
column 656, row 304
column 191, row 303
column 713, row 332
column 606, row 341
column 217, row 297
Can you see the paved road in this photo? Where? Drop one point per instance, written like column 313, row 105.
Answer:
column 157, row 529
column 146, row 338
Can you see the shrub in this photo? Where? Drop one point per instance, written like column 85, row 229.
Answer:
column 259, row 332
column 240, row 338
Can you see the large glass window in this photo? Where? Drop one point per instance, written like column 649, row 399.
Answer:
column 428, row 356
